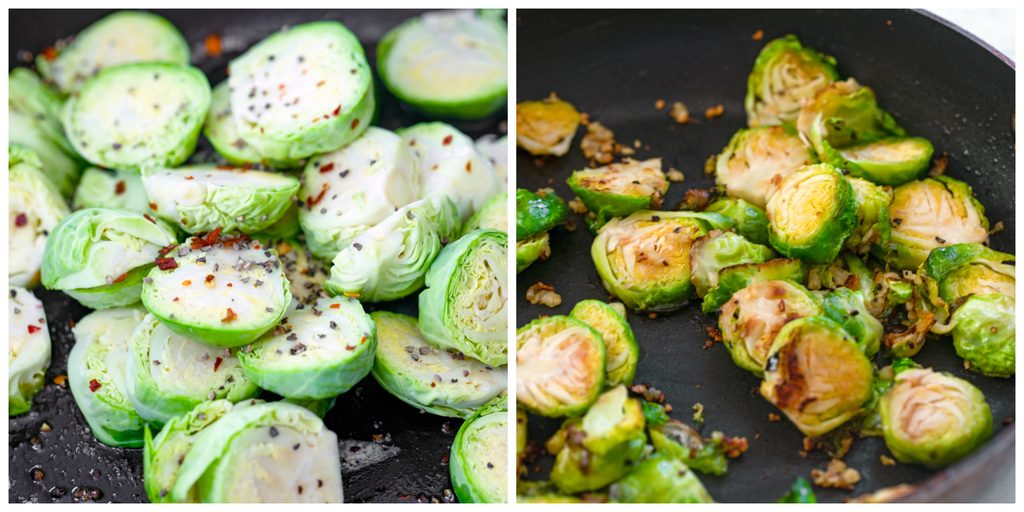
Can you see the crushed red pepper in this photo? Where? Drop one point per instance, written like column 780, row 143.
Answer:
column 166, row 249
column 216, row 364
column 119, row 187
column 94, row 385
column 206, row 240
column 213, row 44
column 311, row 201
column 20, row 220
column 327, row 168
column 166, row 263
column 33, row 329
column 229, row 316
column 121, row 277
column 49, row 53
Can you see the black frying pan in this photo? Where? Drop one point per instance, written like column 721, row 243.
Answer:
column 409, row 463
column 938, row 81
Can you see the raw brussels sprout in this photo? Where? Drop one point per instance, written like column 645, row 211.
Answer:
column 29, row 96
column 735, row 278
column 621, row 350
column 97, row 375
column 389, row 260
column 442, row 382
column 28, row 355
column 843, row 114
column 250, row 456
column 464, row 304
column 717, row 250
column 931, row 213
column 873, row 225
column 319, row 407
column 785, row 74
column 349, row 190
column 546, row 127
column 644, row 259
column 848, row 309
column 320, row 352
column 984, row 334
column 492, row 215
column 619, row 189
column 495, row 149
column 531, row 249
column 970, row 269
column 816, row 375
column 477, row 463
column 659, row 478
column 306, row 274
column 201, row 198
column 168, row 374
column 756, row 158
column 447, row 64
column 34, row 208
column 754, row 315
column 119, row 38
column 683, row 442
column 561, row 366
column 890, row 161
column 99, row 256
column 748, row 220
column 933, row 419
column 536, row 213
column 811, row 214
column 222, row 131
column 238, row 283
column 34, row 123
column 108, row 188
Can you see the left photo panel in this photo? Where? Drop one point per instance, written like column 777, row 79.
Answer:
column 258, row 256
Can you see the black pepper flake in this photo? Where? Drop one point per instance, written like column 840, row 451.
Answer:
column 297, row 349
column 295, row 446
column 273, row 432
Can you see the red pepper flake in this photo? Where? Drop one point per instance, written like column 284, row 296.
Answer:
column 121, row 277
column 214, row 45
column 166, row 249
column 49, row 53
column 94, row 385
column 152, row 206
column 469, row 166
column 230, row 285
column 189, row 177
column 321, row 83
column 335, row 305
column 32, row 329
column 206, row 240
column 187, row 282
column 433, row 384
column 311, row 201
column 119, row 187
column 447, row 140
column 166, row 263
column 216, row 364
column 363, row 340
column 209, row 278
column 229, row 316
column 71, row 323
column 21, row 220
column 327, row 168
column 176, row 299
column 149, row 218
column 355, row 123
column 336, row 111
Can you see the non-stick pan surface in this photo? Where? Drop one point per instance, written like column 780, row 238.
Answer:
column 937, row 81
column 390, row 451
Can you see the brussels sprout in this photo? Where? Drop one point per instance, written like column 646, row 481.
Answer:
column 561, row 366
column 442, row 382
column 319, row 407
column 390, row 260
column 933, row 419
column 464, row 304
column 717, row 250
column 28, row 355
column 97, row 375
column 250, row 456
column 873, row 225
column 546, row 127
column 449, row 164
column 222, row 131
column 495, row 149
column 735, row 278
column 99, row 256
column 644, row 259
column 346, row 192
column 621, row 350
column 119, row 38
column 754, row 315
column 619, row 189
column 531, row 249
column 846, row 271
column 447, row 64
column 984, row 334
column 755, row 159
column 748, row 220
column 816, row 375
column 660, row 478
column 932, row 213
column 801, row 492
column 970, row 269
column 320, row 352
column 34, row 208
column 536, row 213
column 479, row 451
column 843, row 114
column 612, row 420
column 306, row 274
column 108, row 188
column 683, row 442
column 34, row 123
column 28, row 95
column 785, row 74
column 168, row 374
column 492, row 215
column 847, row 308
column 201, row 198
column 321, row 63
column 890, row 161
column 238, row 282
column 811, row 214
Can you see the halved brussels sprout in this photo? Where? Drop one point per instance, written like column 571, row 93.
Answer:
column 221, row 291
column 748, row 220
column 222, row 131
column 168, row 374
column 660, row 478
column 492, row 215
column 683, row 442
column 644, row 259
column 756, row 159
column 785, row 74
column 34, row 123
column 984, row 334
column 971, row 269
column 464, row 304
column 536, row 213
column 873, row 225
column 347, row 191
column 612, row 420
column 717, row 250
column 754, row 315
column 848, row 309
column 931, row 213
column 811, row 214
column 97, row 375
column 201, row 198
column 306, row 274
column 28, row 355
column 890, row 161
column 737, row 277
column 320, row 352
column 442, row 382
column 495, row 149
column 531, row 249
column 319, row 407
column 561, row 366
column 99, row 256
column 477, row 463
column 844, row 114
column 817, row 375
column 109, row 188
column 546, row 127
column 34, row 209
column 273, row 452
column 621, row 350
column 619, row 189
column 933, row 419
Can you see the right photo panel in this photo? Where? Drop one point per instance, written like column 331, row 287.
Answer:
column 764, row 256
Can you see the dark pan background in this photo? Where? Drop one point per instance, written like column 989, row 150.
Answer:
column 938, row 82
column 409, row 462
